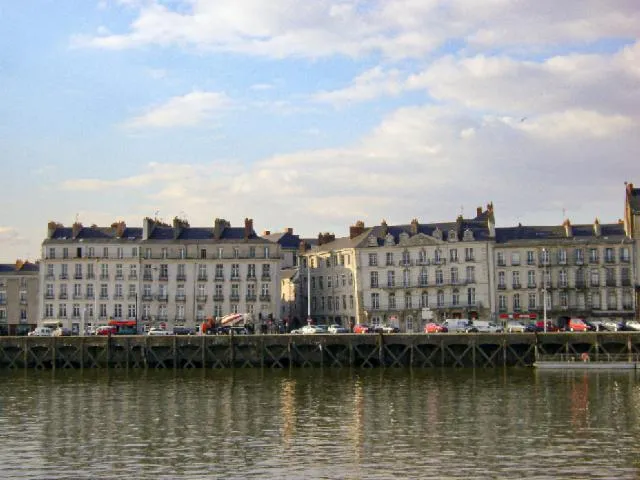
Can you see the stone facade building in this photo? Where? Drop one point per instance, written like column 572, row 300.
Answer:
column 19, row 287
column 174, row 274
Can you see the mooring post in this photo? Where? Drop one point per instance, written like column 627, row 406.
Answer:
column 53, row 354
column 232, row 353
column 25, row 352
column 203, row 347
column 380, row 349
column 262, row 350
column 629, row 348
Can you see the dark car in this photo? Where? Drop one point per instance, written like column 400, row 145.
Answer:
column 539, row 326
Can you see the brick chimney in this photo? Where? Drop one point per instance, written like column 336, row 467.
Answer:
column 597, row 231
column 478, row 211
column 248, row 228
column 147, row 228
column 384, row 229
column 568, row 231
column 415, row 226
column 51, row 229
column 357, row 229
column 266, row 232
column 75, row 229
column 178, row 227
column 19, row 264
column 218, row 227
column 288, row 230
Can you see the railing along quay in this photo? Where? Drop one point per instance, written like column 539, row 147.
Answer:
column 332, row 351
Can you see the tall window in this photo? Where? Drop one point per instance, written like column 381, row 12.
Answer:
column 375, row 301
column 373, row 259
column 374, row 279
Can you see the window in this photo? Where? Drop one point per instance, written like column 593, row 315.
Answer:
column 220, row 252
column 502, row 302
column 203, row 253
column 422, row 257
column 119, row 271
column 471, row 274
column 595, row 278
column 389, row 258
column 544, row 256
column 374, row 279
column 454, row 275
column 501, row 283
column 593, row 255
column 516, row 302
column 564, row 299
column 65, row 252
column 455, row 297
column 406, row 281
column 391, row 278
column 266, row 271
column 406, row 258
column 423, row 277
column 266, row 252
column 500, row 259
column 471, row 296
column 373, row 260
column 52, row 252
column 469, row 255
column 515, row 279
column 392, row 300
column 105, row 252
column 236, row 252
column 531, row 279
column 453, row 255
column 532, row 301
column 439, row 277
column 530, row 257
column 440, row 298
column 220, row 270
column 515, row 258
column 624, row 254
column 562, row 278
column 424, row 300
column 375, row 301
column 48, row 311
column 329, row 284
column 62, row 310
column 202, row 271
column 78, row 271
column 562, row 256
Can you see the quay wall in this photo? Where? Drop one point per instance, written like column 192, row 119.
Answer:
column 331, row 351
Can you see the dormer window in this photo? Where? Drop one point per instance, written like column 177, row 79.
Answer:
column 467, row 236
column 453, row 236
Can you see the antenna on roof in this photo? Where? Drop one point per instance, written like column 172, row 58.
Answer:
column 77, row 217
column 564, row 214
column 155, row 215
column 462, row 211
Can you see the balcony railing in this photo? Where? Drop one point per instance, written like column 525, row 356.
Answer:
column 265, row 278
column 63, row 296
column 181, row 298
column 610, row 282
column 181, row 277
column 163, row 277
column 201, row 298
column 147, row 297
column 77, row 276
column 250, row 298
column 218, row 278
column 265, row 298
column 234, row 297
column 147, row 277
column 63, row 276
column 218, row 298
column 132, row 276
column 202, row 278
column 162, row 297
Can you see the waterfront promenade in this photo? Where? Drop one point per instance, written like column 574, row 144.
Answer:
column 331, row 351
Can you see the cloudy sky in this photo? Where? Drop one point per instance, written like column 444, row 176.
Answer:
column 314, row 114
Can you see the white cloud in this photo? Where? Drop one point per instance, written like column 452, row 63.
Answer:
column 366, row 86
column 188, row 110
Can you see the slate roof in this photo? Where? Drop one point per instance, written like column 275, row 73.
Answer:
column 285, row 239
column 158, row 233
column 26, row 267
column 557, row 232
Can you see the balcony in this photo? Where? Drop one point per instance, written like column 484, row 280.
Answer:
column 422, row 262
column 90, row 296
column 611, row 282
column 470, row 259
column 201, row 298
column 515, row 263
column 438, row 261
column 147, row 277
column 63, row 296
column 181, row 277
column 516, row 286
column 181, row 298
column 133, row 276
column 119, row 277
column 625, row 259
column 63, row 276
column 266, row 278
column 163, row 277
column 104, row 296
column 609, row 259
column 218, row 278
column 234, row 297
column 531, row 285
column 235, row 278
column 23, row 301
column 250, row 298
column 104, row 276
column 625, row 282
column 47, row 296
column 162, row 297
column 218, row 298
column 251, row 278
column 581, row 285
column 594, row 260
column 594, row 284
column 77, row 276
column 202, row 278
column 502, row 286
column 132, row 296
column 91, row 276
column 405, row 263
column 501, row 263
column 77, row 296
column 118, row 297
column 265, row 298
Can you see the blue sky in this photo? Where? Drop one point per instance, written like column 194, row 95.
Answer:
column 314, row 115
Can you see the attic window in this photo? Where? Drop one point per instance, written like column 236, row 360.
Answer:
column 389, row 240
column 467, row 235
column 453, row 236
column 437, row 234
column 373, row 242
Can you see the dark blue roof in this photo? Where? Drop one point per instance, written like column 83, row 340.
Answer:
column 555, row 232
column 7, row 267
column 477, row 227
column 284, row 239
column 26, row 267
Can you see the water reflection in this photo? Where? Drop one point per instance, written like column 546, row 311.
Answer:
column 316, row 423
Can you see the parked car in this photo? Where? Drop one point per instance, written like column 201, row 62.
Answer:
column 577, row 325
column 362, row 328
column 435, row 328
column 633, row 325
column 386, row 329
column 459, row 325
column 106, row 330
column 539, row 326
column 595, row 324
column 514, row 326
column 613, row 325
column 335, row 328
column 182, row 330
column 62, row 332
column 485, row 326
column 155, row 332
column 312, row 329
column 41, row 332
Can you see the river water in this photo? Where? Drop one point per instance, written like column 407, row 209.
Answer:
column 314, row 423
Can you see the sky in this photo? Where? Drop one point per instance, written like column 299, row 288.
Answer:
column 314, row 114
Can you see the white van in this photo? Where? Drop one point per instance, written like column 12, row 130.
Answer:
column 458, row 325
column 486, row 326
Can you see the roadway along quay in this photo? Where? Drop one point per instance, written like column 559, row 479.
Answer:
column 464, row 350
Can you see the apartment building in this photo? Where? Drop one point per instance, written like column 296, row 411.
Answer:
column 160, row 273
column 404, row 274
column 19, row 287
column 632, row 229
column 579, row 270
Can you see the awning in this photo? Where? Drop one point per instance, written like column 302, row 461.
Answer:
column 231, row 320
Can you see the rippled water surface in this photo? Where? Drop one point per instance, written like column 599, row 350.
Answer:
column 313, row 423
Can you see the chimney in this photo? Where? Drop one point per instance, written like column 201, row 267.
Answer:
column 568, row 231
column 266, row 232
column 147, row 228
column 302, row 247
column 19, row 264
column 357, row 229
column 596, row 228
column 414, row 226
column 119, row 228
column 75, row 229
column 491, row 220
column 248, row 228
column 384, row 229
column 218, row 228
column 288, row 230
column 51, row 229
column 478, row 211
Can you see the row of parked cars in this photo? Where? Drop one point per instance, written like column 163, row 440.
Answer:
column 515, row 326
